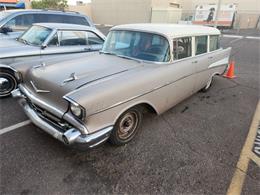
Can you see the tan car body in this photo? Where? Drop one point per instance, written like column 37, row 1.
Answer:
column 106, row 86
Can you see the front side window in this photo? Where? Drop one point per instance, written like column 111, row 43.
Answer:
column 214, row 43
column 182, row 48
column 35, row 35
column 139, row 45
column 73, row 38
column 201, row 44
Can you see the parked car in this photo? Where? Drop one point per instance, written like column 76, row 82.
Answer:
column 141, row 67
column 14, row 22
column 43, row 41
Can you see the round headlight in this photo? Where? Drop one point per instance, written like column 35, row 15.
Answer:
column 76, row 110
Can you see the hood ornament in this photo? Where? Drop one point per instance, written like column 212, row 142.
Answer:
column 72, row 77
column 38, row 90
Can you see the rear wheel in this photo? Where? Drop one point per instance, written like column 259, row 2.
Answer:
column 7, row 83
column 126, row 126
column 208, row 85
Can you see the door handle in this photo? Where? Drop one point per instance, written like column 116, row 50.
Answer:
column 195, row 62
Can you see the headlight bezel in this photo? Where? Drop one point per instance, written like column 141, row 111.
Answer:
column 74, row 105
column 74, row 108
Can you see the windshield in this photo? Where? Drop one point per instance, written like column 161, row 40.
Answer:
column 35, row 35
column 3, row 14
column 138, row 45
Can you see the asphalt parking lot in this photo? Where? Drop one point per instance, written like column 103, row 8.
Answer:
column 193, row 148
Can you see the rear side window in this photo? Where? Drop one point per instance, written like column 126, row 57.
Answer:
column 201, row 44
column 75, row 20
column 55, row 18
column 182, row 48
column 213, row 43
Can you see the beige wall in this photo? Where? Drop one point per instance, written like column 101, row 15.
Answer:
column 83, row 9
column 121, row 11
column 163, row 3
column 127, row 11
column 166, row 15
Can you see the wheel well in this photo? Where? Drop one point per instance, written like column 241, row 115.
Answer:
column 147, row 108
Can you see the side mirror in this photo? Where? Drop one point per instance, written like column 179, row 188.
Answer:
column 5, row 30
column 43, row 46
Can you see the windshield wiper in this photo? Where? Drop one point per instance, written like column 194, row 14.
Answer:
column 129, row 58
column 108, row 53
column 121, row 56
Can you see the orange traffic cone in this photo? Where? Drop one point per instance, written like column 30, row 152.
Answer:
column 231, row 71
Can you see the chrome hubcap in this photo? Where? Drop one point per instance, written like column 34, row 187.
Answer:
column 6, row 84
column 128, row 125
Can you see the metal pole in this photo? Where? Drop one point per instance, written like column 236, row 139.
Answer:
column 217, row 13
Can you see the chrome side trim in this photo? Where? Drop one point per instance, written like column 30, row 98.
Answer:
column 149, row 91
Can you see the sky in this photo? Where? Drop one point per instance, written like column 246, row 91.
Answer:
column 73, row 2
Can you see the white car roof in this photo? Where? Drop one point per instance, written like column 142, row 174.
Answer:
column 170, row 30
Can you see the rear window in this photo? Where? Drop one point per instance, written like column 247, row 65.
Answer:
column 201, row 44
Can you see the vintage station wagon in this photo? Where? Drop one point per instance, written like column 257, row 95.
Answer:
column 141, row 67
column 43, row 41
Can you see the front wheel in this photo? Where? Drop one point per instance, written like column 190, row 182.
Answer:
column 126, row 126
column 7, row 83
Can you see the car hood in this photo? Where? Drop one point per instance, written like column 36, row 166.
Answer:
column 56, row 80
column 12, row 48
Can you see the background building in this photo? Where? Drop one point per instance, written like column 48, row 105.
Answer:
column 247, row 16
column 115, row 12
column 132, row 11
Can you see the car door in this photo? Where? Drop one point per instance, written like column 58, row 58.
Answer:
column 72, row 41
column 180, row 74
column 201, row 61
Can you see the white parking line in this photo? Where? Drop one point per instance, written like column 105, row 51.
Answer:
column 13, row 127
column 250, row 37
column 240, row 37
column 233, row 36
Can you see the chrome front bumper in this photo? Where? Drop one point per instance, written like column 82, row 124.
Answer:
column 70, row 136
